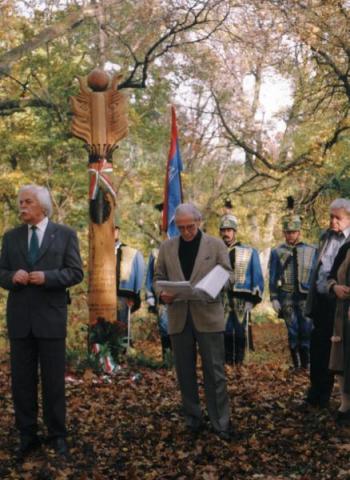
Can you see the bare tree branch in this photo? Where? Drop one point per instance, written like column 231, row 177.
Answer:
column 168, row 41
column 71, row 22
column 7, row 107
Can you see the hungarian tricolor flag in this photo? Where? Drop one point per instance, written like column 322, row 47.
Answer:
column 173, row 188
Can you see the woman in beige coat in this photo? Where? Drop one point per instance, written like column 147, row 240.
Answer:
column 339, row 285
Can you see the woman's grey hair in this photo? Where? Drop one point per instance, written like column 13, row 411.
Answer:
column 188, row 209
column 42, row 194
column 338, row 203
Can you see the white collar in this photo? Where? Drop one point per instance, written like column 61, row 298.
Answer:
column 346, row 232
column 41, row 225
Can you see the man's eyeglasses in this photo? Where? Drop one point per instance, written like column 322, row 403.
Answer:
column 182, row 228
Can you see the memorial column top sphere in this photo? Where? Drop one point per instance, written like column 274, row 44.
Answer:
column 98, row 80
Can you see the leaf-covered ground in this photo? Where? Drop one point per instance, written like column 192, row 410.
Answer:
column 132, row 428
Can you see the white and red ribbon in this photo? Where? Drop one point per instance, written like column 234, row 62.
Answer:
column 99, row 179
column 105, row 358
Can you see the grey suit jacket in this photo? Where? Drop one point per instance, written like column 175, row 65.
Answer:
column 40, row 309
column 207, row 315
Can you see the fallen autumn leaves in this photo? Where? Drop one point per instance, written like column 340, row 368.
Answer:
column 132, row 428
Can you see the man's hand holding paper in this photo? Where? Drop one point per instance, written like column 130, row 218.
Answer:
column 207, row 289
column 167, row 298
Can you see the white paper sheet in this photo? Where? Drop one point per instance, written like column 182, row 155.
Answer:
column 214, row 281
column 211, row 285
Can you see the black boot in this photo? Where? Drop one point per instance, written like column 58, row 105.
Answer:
column 240, row 343
column 304, row 357
column 166, row 345
column 295, row 358
column 228, row 348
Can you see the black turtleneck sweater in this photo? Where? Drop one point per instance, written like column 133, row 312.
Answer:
column 188, row 253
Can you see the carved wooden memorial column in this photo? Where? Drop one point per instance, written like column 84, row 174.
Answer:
column 100, row 121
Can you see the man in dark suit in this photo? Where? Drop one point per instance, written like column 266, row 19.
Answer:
column 39, row 261
column 321, row 307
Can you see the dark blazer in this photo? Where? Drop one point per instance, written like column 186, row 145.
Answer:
column 40, row 309
column 310, row 308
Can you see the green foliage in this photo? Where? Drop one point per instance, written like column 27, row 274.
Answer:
column 110, row 337
column 78, row 361
column 142, row 360
column 168, row 360
column 207, row 83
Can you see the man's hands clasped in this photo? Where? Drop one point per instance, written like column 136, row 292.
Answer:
column 21, row 277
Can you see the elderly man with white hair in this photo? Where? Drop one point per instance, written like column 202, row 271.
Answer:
column 191, row 256
column 39, row 261
column 321, row 306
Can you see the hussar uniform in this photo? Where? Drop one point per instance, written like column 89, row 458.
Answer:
column 245, row 292
column 130, row 271
column 291, row 268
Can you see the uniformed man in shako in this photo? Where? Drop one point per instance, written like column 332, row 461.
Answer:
column 291, row 266
column 130, row 270
column 154, row 306
column 245, row 293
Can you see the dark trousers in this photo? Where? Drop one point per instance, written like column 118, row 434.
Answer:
column 26, row 356
column 235, row 339
column 321, row 378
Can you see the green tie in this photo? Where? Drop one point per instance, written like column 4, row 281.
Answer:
column 33, row 246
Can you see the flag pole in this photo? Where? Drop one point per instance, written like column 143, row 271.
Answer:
column 247, row 334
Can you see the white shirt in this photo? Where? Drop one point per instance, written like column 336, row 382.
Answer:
column 40, row 230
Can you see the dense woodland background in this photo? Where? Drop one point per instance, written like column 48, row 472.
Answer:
column 261, row 89
column 214, row 61
column 223, row 64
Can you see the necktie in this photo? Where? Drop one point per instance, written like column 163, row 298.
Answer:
column 338, row 235
column 33, row 246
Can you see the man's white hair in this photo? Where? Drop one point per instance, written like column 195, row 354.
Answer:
column 188, row 209
column 339, row 203
column 42, row 194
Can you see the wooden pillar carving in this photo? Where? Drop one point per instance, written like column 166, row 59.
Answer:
column 99, row 119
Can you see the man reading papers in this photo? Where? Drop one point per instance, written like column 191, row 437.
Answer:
column 196, row 320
